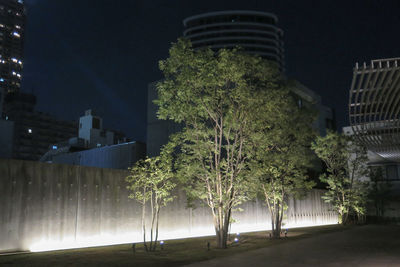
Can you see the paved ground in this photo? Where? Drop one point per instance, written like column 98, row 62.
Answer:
column 370, row 245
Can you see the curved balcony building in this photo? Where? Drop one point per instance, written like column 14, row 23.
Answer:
column 374, row 107
column 256, row 32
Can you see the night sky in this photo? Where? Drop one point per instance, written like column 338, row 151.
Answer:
column 101, row 54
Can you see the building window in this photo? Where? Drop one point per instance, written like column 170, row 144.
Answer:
column 96, row 123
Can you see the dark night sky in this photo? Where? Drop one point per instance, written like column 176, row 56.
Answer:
column 101, row 54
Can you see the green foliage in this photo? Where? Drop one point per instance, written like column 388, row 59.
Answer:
column 152, row 181
column 281, row 154
column 346, row 167
column 217, row 98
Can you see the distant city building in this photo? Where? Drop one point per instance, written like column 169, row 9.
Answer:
column 12, row 31
column 32, row 131
column 96, row 147
column 119, row 156
column 256, row 32
column 306, row 97
column 92, row 132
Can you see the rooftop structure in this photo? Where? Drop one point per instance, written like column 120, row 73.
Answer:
column 256, row 32
column 374, row 107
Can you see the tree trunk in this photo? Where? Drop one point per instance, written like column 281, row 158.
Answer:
column 153, row 215
column 157, row 216
column 144, row 223
column 221, row 229
column 221, row 238
column 276, row 229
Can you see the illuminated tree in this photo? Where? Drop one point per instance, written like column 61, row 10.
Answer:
column 281, row 154
column 151, row 181
column 346, row 167
column 215, row 97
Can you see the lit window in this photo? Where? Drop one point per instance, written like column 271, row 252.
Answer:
column 18, row 75
column 6, row 118
column 17, row 26
column 98, row 145
column 14, row 73
column 2, row 61
column 1, row 80
column 14, row 60
column 16, row 34
column 29, row 130
column 1, row 25
column 19, row 62
column 55, row 147
column 20, row 1
column 18, row 14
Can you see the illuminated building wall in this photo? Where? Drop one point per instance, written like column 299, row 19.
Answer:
column 53, row 206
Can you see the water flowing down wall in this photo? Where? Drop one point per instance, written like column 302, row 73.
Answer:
column 53, row 206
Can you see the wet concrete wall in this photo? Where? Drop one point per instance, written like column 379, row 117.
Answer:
column 48, row 206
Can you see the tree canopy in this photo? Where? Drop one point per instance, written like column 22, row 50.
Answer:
column 346, row 162
column 223, row 100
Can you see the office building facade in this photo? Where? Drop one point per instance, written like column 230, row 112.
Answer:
column 12, row 31
column 32, row 131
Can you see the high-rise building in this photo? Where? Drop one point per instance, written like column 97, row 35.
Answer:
column 254, row 31
column 32, row 131
column 12, row 27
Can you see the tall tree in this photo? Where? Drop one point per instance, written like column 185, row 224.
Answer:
column 151, row 181
column 282, row 154
column 347, row 171
column 215, row 96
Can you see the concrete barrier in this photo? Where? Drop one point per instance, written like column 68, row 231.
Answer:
column 53, row 206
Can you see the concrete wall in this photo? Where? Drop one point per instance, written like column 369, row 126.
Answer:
column 49, row 206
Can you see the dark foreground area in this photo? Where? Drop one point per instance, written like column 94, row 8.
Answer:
column 370, row 245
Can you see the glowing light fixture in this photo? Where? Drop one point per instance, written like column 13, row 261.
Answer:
column 30, row 130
